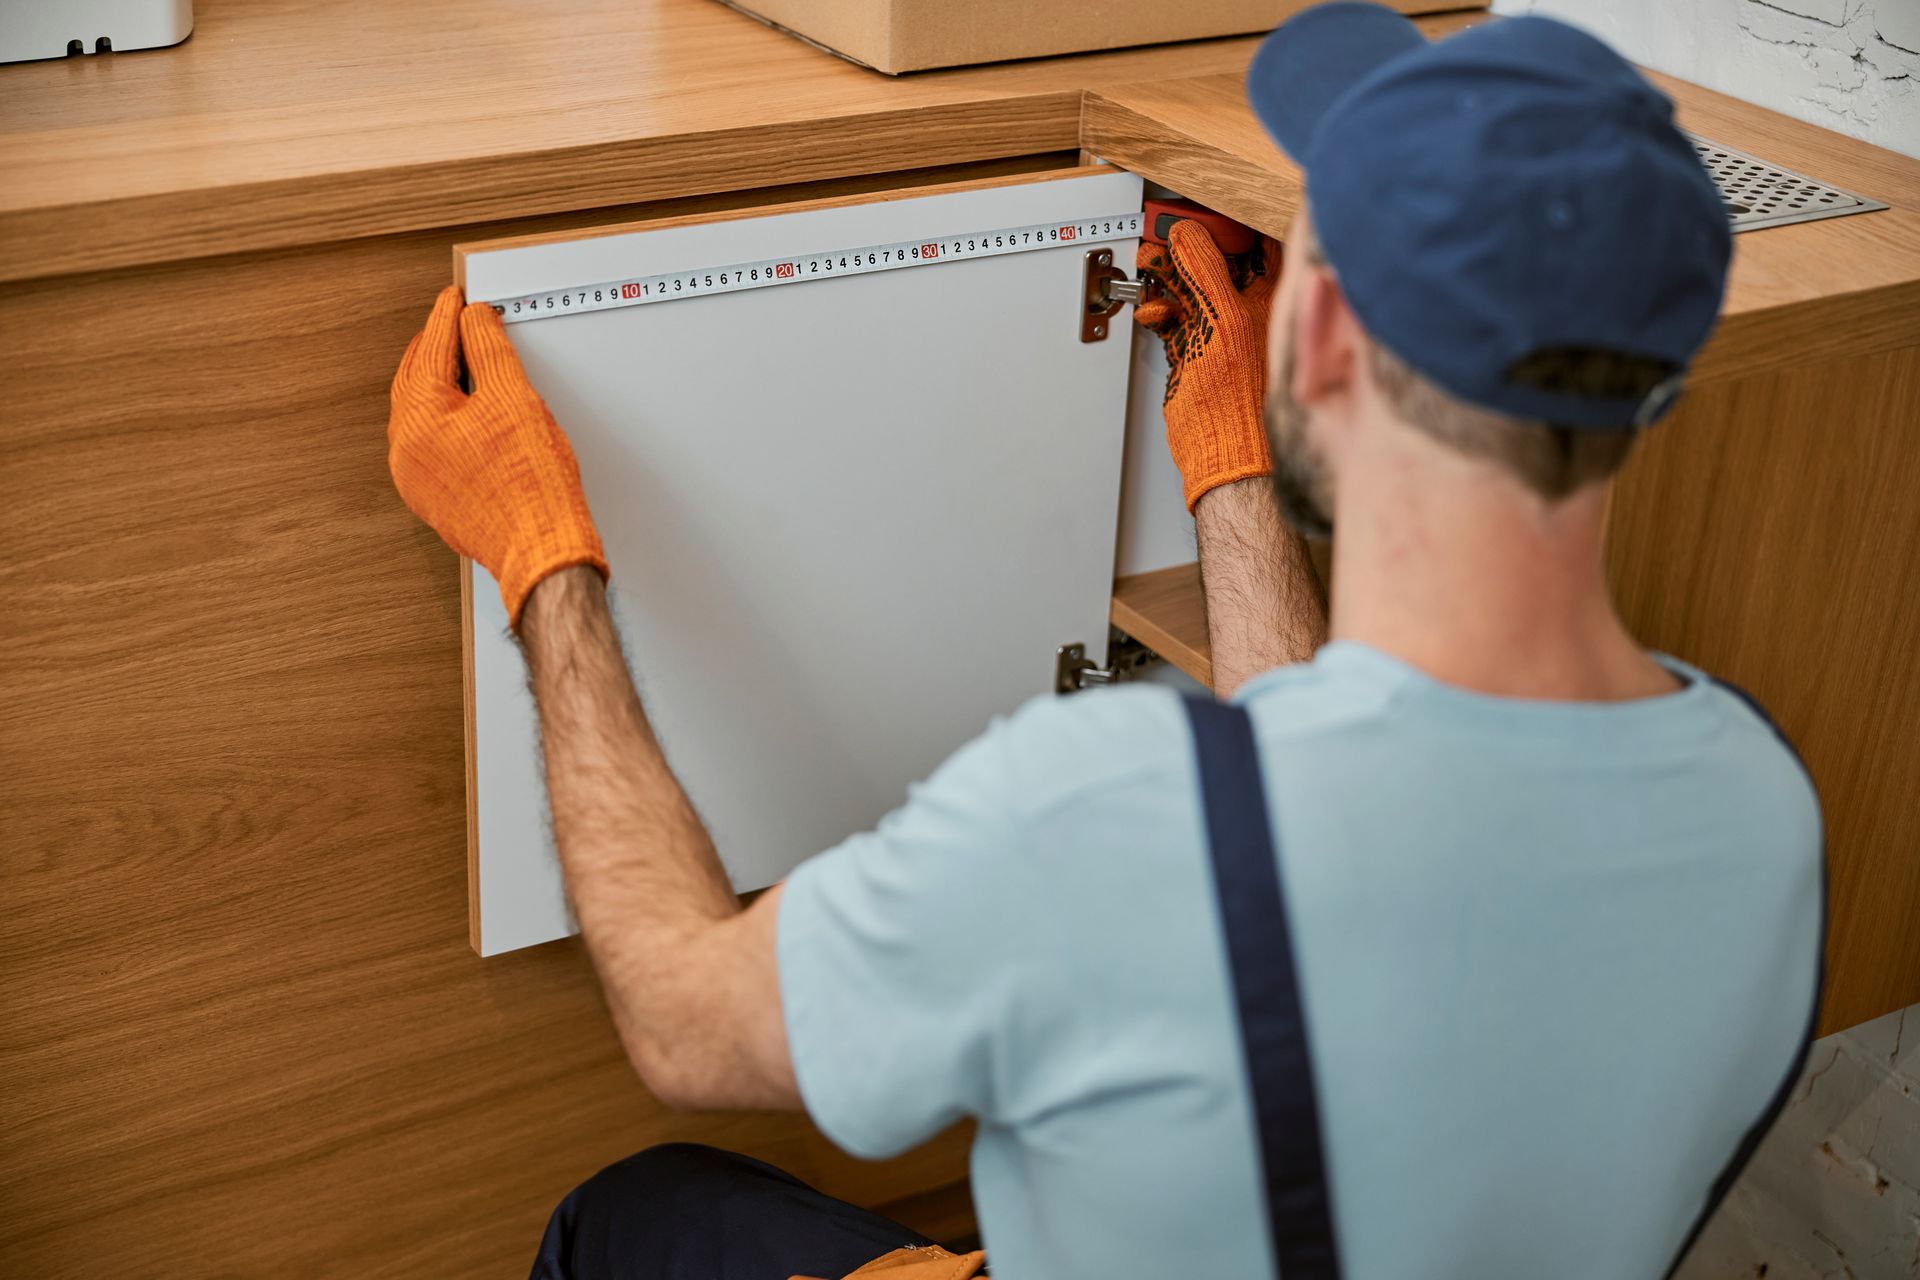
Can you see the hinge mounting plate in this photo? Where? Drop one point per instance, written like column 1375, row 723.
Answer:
column 1073, row 670
column 1107, row 289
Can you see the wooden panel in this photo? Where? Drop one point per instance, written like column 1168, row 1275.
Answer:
column 1166, row 611
column 279, row 124
column 1768, row 533
column 1199, row 137
column 1797, row 294
column 900, row 35
column 241, row 1031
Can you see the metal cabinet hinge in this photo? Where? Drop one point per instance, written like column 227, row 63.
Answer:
column 1073, row 670
column 1107, row 289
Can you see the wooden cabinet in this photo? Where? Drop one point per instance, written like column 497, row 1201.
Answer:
column 236, row 983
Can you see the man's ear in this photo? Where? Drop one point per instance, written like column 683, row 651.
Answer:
column 1326, row 342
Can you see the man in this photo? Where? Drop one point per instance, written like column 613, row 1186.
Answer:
column 1483, row 948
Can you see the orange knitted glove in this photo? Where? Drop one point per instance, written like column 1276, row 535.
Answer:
column 1213, row 319
column 920, row 1262
column 491, row 471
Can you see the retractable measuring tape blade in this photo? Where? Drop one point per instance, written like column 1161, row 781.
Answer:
column 640, row 291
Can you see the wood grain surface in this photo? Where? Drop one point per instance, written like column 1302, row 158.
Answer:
column 1166, row 611
column 281, row 123
column 898, row 38
column 1770, row 533
column 241, row 1030
column 1802, row 293
column 1199, row 137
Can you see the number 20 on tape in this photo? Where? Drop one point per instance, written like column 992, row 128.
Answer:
column 640, row 290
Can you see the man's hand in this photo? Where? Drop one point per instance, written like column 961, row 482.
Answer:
column 1265, row 606
column 1216, row 338
column 491, row 471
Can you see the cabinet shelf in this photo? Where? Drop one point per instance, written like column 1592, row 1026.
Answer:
column 1166, row 611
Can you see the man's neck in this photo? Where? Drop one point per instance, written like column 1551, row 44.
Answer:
column 1467, row 578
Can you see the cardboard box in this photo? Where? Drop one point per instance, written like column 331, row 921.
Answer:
column 914, row 35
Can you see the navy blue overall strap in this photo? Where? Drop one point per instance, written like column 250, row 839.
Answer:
column 1273, row 1032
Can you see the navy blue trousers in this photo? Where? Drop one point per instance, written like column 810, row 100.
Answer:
column 687, row 1212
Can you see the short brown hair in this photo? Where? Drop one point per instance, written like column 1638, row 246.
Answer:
column 1550, row 460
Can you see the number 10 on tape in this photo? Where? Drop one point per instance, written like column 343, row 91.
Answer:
column 734, row 277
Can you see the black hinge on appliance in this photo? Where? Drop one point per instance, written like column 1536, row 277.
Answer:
column 1073, row 670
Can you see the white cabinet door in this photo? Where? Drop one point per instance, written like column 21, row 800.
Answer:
column 850, row 519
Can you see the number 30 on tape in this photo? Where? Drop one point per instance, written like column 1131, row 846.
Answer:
column 641, row 290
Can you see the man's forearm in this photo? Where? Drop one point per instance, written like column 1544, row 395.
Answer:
column 647, row 887
column 1265, row 605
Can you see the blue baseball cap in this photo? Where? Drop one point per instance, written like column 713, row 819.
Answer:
column 1500, row 205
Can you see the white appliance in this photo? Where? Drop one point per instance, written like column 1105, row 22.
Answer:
column 31, row 29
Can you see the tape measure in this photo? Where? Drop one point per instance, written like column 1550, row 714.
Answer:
column 640, row 291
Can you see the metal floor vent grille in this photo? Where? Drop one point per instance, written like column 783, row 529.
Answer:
column 1759, row 194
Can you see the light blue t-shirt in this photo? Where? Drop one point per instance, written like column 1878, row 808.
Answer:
column 1555, row 959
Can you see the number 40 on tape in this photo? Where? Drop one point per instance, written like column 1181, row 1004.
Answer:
column 642, row 290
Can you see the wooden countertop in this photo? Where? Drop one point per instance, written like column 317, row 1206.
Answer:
column 280, row 124
column 1813, row 290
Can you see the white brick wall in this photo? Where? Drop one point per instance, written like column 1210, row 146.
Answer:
column 1850, row 65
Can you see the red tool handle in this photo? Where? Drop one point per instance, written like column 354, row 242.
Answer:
column 1232, row 237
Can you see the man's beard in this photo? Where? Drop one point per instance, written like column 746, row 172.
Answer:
column 1301, row 480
